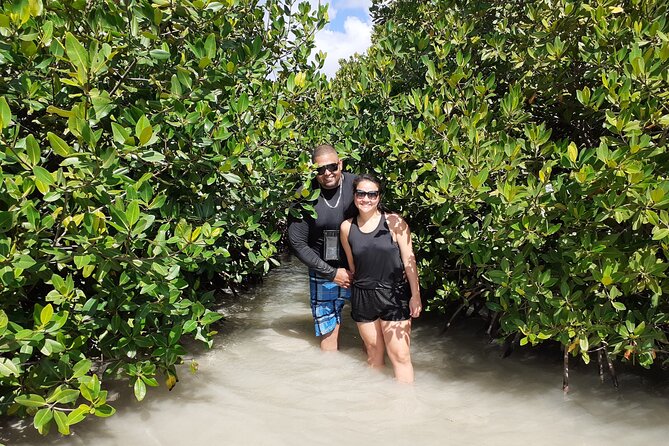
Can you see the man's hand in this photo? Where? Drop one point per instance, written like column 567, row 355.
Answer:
column 343, row 278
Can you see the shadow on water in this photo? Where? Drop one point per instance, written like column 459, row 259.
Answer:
column 257, row 386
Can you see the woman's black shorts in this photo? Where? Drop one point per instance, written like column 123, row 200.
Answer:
column 387, row 304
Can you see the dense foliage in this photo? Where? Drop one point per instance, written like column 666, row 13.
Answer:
column 148, row 150
column 527, row 144
column 144, row 148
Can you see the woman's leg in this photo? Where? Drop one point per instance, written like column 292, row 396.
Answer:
column 371, row 335
column 397, row 337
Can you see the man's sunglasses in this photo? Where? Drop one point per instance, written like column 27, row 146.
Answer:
column 372, row 194
column 333, row 167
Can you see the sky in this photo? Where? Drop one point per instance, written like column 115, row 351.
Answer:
column 349, row 31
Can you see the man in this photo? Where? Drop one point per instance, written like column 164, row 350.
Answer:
column 315, row 242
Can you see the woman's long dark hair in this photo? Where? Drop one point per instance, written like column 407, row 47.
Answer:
column 372, row 179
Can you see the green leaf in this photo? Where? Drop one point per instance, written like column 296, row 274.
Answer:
column 638, row 65
column 76, row 52
column 81, row 368
column 90, row 388
column 572, row 152
column 152, row 156
column 660, row 233
column 119, row 133
column 160, row 54
column 143, row 130
column 232, row 178
column 58, row 145
column 619, row 306
column 210, row 317
column 657, row 195
column 140, row 389
column 119, row 217
column 32, row 147
column 67, row 396
column 42, row 418
column 153, row 382
column 132, row 213
column 46, row 314
column 104, row 411
column 59, row 111
column 210, row 46
column 189, row 326
column 43, row 175
column 431, row 71
column 7, row 220
column 78, row 414
column 51, row 346
column 8, row 368
column 102, row 104
column 31, row 400
column 243, row 103
column 5, row 113
column 24, row 262
column 52, row 196
column 4, row 320
column 583, row 343
column 175, row 86
column 476, row 180
column 145, row 136
column 61, row 422
column 174, row 335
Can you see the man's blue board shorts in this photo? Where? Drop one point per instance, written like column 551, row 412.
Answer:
column 327, row 301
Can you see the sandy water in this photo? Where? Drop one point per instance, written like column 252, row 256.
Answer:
column 265, row 382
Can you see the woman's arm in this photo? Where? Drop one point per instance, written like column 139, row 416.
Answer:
column 403, row 237
column 344, row 229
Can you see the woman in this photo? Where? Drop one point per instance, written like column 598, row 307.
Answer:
column 385, row 294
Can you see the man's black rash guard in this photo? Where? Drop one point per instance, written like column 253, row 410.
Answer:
column 305, row 235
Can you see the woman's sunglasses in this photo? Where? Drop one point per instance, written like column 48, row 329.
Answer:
column 372, row 194
column 331, row 167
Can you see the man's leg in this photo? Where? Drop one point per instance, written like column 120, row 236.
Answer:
column 327, row 303
column 329, row 341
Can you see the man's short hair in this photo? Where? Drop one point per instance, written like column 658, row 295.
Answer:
column 323, row 149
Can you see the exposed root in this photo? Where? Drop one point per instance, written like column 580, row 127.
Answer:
column 612, row 370
column 450, row 320
column 493, row 323
column 565, row 370
column 509, row 344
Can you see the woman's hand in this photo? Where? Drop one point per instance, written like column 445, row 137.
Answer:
column 415, row 305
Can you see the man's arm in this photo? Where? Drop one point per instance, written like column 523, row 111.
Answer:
column 298, row 236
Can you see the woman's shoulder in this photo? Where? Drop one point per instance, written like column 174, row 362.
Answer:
column 395, row 222
column 393, row 216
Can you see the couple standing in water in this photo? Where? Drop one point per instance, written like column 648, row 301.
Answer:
column 376, row 271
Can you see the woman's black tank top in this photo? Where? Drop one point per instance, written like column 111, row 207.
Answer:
column 376, row 256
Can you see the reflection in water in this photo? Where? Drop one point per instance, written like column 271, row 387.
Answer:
column 267, row 383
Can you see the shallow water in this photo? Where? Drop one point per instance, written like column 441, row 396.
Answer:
column 265, row 382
